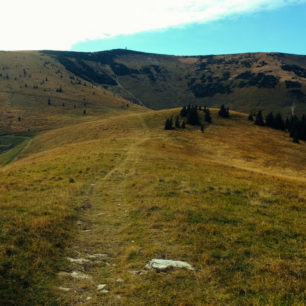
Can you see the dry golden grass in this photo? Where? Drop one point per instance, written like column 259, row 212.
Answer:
column 231, row 202
column 22, row 72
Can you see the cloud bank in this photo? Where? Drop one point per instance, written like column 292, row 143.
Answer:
column 58, row 24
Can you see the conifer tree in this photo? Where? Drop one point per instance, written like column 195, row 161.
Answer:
column 192, row 116
column 224, row 112
column 250, row 118
column 207, row 116
column 183, row 125
column 177, row 122
column 270, row 120
column 279, row 123
column 183, row 111
column 259, row 119
column 169, row 124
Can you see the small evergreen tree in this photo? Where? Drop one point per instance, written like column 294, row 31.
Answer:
column 224, row 112
column 250, row 118
column 183, row 111
column 177, row 122
column 183, row 125
column 207, row 116
column 49, row 101
column 192, row 116
column 259, row 119
column 279, row 123
column 202, row 128
column 270, row 120
column 169, row 124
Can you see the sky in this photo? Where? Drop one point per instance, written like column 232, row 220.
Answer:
column 179, row 27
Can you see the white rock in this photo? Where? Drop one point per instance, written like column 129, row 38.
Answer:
column 79, row 275
column 101, row 286
column 104, row 291
column 97, row 256
column 78, row 260
column 64, row 289
column 164, row 264
column 88, row 298
column 119, row 280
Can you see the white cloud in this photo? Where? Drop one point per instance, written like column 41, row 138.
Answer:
column 58, row 24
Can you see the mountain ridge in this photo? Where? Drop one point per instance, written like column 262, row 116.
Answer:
column 198, row 79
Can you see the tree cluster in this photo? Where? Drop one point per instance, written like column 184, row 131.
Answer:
column 177, row 124
column 294, row 125
column 190, row 115
column 190, row 112
column 224, row 111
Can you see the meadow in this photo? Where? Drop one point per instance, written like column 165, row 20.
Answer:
column 229, row 201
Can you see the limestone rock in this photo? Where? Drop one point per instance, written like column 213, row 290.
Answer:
column 164, row 264
column 101, row 286
column 79, row 275
column 78, row 260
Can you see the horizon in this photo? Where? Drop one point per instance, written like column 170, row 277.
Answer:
column 146, row 52
column 183, row 28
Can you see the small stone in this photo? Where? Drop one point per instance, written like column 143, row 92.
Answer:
column 119, row 280
column 63, row 274
column 101, row 286
column 64, row 289
column 88, row 298
column 134, row 272
column 78, row 260
column 97, row 256
column 79, row 275
column 164, row 264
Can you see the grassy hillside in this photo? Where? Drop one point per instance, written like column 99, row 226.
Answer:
column 38, row 93
column 246, row 82
column 229, row 201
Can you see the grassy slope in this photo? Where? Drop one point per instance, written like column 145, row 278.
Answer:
column 231, row 202
column 161, row 81
column 22, row 72
column 181, row 71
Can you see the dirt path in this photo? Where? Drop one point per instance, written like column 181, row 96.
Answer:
column 92, row 271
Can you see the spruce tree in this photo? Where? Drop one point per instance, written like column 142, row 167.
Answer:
column 259, row 119
column 279, row 123
column 177, row 122
column 192, row 116
column 270, row 120
column 224, row 112
column 183, row 125
column 207, row 116
column 169, row 124
column 250, row 118
column 183, row 112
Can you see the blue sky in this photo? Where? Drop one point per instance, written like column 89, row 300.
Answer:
column 278, row 30
column 182, row 27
